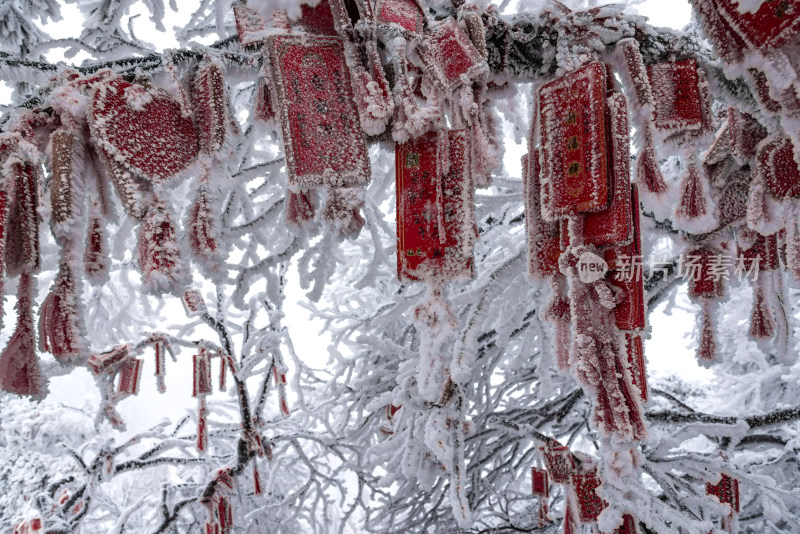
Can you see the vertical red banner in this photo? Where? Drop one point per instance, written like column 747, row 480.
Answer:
column 544, row 247
column 572, row 111
column 319, row 120
column 435, row 212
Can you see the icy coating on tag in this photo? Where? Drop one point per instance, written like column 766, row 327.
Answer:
column 450, row 56
column 676, row 95
column 319, row 119
column 775, row 159
column 574, row 142
column 403, row 16
column 771, row 26
column 143, row 129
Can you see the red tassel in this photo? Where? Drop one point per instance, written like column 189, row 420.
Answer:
column 648, row 173
column 693, row 200
column 160, row 370
column 707, row 348
column 762, row 324
column 158, row 250
column 222, row 374
column 95, row 257
column 256, row 480
column 202, row 431
column 203, row 225
column 59, row 332
column 264, row 110
column 19, row 368
column 793, row 243
column 22, row 238
column 210, row 107
column 299, row 208
column 343, row 210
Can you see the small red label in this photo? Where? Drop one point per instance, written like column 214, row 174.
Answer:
column 676, row 95
column 449, row 55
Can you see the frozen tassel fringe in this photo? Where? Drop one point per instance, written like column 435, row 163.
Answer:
column 158, row 251
column 707, row 347
column 19, row 368
column 210, row 103
column 694, row 211
column 299, row 209
column 762, row 324
column 373, row 98
column 257, row 489
column 264, row 110
column 95, row 255
column 342, row 210
column 22, row 238
column 59, row 320
column 62, row 153
column 793, row 242
column 223, row 364
column 204, row 228
column 648, row 172
column 202, row 430
column 160, row 370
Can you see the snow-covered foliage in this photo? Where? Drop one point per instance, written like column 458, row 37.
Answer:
column 164, row 214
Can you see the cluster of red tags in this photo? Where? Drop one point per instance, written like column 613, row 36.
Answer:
column 584, row 505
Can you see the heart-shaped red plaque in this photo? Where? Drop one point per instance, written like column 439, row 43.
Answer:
column 143, row 129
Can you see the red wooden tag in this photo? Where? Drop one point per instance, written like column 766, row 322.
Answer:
column 765, row 248
column 775, row 159
column 613, row 226
column 726, row 491
column 540, row 484
column 19, row 368
column 589, row 502
column 319, row 120
column 400, row 16
column 572, row 111
column 699, row 267
column 318, row 19
column 193, row 302
column 774, row 24
column 636, row 362
column 22, row 227
column 630, row 313
column 628, row 525
column 201, row 375
column 676, row 95
column 544, row 246
column 450, row 56
column 210, row 103
column 144, row 129
column 129, row 375
column 425, row 208
column 632, row 251
column 105, row 361
column 59, row 332
column 248, row 22
column 746, row 132
column 558, row 460
column 760, row 88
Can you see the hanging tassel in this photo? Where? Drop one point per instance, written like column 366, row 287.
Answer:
column 222, row 371
column 59, row 320
column 128, row 187
column 707, row 347
column 694, row 208
column 372, row 97
column 160, row 370
column 3, row 226
column 95, row 255
column 248, row 23
column 299, row 209
column 793, row 241
column 158, row 251
column 62, row 155
column 264, row 110
column 202, row 431
column 342, row 210
column 210, row 103
column 201, row 386
column 762, row 324
column 648, row 172
column 257, row 490
column 19, row 368
column 204, row 227
column 22, row 238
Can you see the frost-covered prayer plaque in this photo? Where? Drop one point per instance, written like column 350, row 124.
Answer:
column 319, row 120
column 544, row 243
column 726, row 491
column 584, row 487
column 613, row 225
column 540, row 483
column 402, row 17
column 558, row 460
column 676, row 95
column 704, row 269
column 764, row 250
column 572, row 110
column 772, row 25
column 435, row 217
column 629, row 314
column 143, row 129
column 775, row 160
column 450, row 56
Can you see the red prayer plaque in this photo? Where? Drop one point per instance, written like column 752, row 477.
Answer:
column 544, row 247
column 584, row 486
column 540, row 485
column 100, row 363
column 129, row 375
column 321, row 135
column 613, row 226
column 558, row 460
column 202, row 375
column 400, row 16
column 449, row 56
column 726, row 491
column 699, row 266
column 621, row 255
column 318, row 19
column 630, row 313
column 775, row 159
column 435, row 219
column 746, row 132
column 772, row 25
column 676, row 95
column 636, row 363
column 193, row 302
column 765, row 248
column 572, row 111
column 248, row 22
